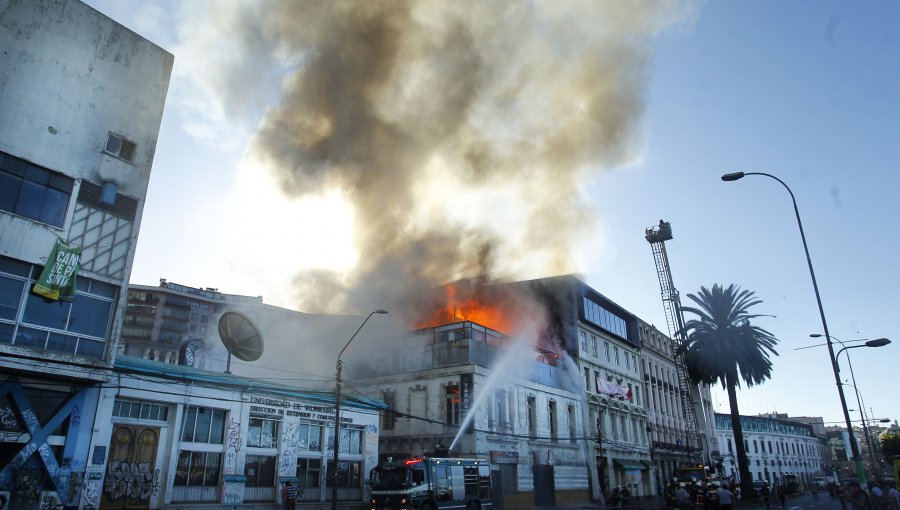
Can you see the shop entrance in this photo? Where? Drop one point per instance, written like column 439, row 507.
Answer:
column 131, row 475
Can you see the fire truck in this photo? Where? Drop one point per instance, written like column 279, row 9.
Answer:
column 431, row 483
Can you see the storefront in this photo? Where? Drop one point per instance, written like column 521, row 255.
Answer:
column 170, row 435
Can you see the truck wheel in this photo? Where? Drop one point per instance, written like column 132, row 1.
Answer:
column 427, row 506
column 473, row 505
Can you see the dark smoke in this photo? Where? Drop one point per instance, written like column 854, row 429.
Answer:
column 460, row 131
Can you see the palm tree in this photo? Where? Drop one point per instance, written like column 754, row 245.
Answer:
column 721, row 345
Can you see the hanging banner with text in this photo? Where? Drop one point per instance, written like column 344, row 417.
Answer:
column 57, row 280
column 611, row 388
column 466, row 387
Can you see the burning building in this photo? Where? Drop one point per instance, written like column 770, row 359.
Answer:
column 558, row 388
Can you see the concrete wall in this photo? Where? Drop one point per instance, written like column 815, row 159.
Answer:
column 68, row 76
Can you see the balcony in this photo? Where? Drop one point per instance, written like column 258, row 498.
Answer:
column 178, row 302
column 458, row 344
column 140, row 309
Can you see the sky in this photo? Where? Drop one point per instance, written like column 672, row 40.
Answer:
column 681, row 94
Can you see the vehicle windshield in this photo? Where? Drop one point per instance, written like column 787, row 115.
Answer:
column 390, row 478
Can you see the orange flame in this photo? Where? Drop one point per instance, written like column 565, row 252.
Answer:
column 457, row 308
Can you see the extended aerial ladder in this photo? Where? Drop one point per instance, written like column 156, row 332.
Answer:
column 657, row 237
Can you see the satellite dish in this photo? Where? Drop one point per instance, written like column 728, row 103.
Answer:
column 240, row 337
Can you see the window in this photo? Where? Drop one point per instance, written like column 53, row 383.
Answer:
column 33, row 191
column 606, row 350
column 198, row 469
column 79, row 327
column 308, row 471
column 349, row 474
column 571, row 413
column 388, row 418
column 755, row 448
column 451, row 398
column 616, row 351
column 140, row 410
column 120, row 147
column 582, row 336
column 262, row 432
column 554, row 426
column 309, row 436
column 501, row 408
column 532, row 418
column 593, row 346
column 203, row 425
column 351, row 440
column 259, row 471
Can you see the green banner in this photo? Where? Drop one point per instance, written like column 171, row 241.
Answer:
column 57, row 280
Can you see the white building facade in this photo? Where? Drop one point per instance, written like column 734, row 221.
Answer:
column 176, row 436
column 609, row 357
column 775, row 447
column 465, row 386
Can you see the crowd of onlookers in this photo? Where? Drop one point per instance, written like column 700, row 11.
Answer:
column 879, row 496
column 721, row 495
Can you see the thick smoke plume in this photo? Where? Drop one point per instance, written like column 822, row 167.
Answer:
column 460, row 131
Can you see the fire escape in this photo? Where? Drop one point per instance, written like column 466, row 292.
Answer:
column 657, row 237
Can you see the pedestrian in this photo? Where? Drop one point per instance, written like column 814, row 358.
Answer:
column 877, row 501
column 782, row 497
column 726, row 497
column 766, row 494
column 289, row 494
column 815, row 491
column 894, row 494
column 682, row 497
column 857, row 498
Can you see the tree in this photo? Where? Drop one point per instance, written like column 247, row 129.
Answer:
column 890, row 446
column 721, row 345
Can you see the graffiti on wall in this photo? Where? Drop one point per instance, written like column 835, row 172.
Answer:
column 233, row 447
column 233, row 493
column 130, row 480
column 371, row 442
column 50, row 501
column 8, row 419
column 24, row 463
column 25, row 487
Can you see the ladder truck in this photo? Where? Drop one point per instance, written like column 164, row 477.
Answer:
column 657, row 236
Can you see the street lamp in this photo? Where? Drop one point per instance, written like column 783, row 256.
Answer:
column 337, row 412
column 862, row 417
column 878, row 342
column 860, row 469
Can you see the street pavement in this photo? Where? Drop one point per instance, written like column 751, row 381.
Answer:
column 796, row 502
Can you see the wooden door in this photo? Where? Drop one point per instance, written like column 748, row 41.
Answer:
column 131, row 475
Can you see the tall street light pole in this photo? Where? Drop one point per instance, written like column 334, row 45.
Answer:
column 337, row 413
column 860, row 468
column 878, row 342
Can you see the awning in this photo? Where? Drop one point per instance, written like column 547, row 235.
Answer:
column 628, row 465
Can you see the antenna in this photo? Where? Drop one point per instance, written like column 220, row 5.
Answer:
column 240, row 337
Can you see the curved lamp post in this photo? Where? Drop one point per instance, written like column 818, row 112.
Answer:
column 878, row 342
column 337, row 412
column 860, row 468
